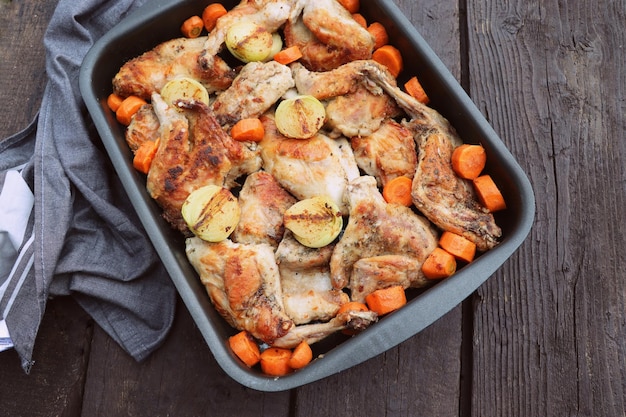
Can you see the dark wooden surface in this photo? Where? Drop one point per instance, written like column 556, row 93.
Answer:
column 545, row 336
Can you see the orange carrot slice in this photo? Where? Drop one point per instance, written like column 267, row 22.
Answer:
column 386, row 300
column 489, row 194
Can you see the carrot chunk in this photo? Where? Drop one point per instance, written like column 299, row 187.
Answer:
column 379, row 33
column 114, row 101
column 489, row 194
column 246, row 349
column 301, row 356
column 386, row 300
column 352, row 306
column 468, row 161
column 415, row 89
column 128, row 108
column 144, row 155
column 250, row 129
column 211, row 13
column 398, row 191
column 192, row 27
column 439, row 264
column 288, row 55
column 390, row 57
column 275, row 361
column 460, row 247
column 352, row 6
column 360, row 19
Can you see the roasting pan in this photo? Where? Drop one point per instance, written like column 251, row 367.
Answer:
column 160, row 20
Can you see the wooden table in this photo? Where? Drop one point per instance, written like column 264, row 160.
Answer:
column 545, row 336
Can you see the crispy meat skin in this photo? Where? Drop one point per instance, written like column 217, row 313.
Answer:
column 316, row 56
column 378, row 272
column 244, row 284
column 334, row 26
column 194, row 151
column 144, row 126
column 306, row 168
column 305, row 277
column 448, row 200
column 263, row 203
column 148, row 73
column 314, row 332
column 376, row 229
column 257, row 87
column 324, row 85
column 359, row 113
column 327, row 43
column 387, row 153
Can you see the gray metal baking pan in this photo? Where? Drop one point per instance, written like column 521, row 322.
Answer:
column 160, row 20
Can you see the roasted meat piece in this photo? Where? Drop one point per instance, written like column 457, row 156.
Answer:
column 324, row 85
column 306, row 168
column 193, row 151
column 244, row 285
column 334, row 26
column 148, row 73
column 243, row 282
column 446, row 199
column 316, row 56
column 376, row 229
column 305, row 277
column 314, row 332
column 257, row 87
column 359, row 113
column 144, row 126
column 387, row 153
column 355, row 106
column 263, row 202
column 377, row 272
column 324, row 56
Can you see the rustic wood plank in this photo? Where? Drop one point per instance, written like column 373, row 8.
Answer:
column 55, row 385
column 180, row 378
column 22, row 67
column 421, row 376
column 550, row 326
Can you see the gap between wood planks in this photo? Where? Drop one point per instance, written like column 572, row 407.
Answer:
column 467, row 307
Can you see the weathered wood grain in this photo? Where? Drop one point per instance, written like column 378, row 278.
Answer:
column 55, row 385
column 22, row 61
column 550, row 327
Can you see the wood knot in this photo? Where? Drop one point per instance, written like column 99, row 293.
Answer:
column 512, row 24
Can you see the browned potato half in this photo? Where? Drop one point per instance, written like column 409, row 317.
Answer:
column 184, row 88
column 249, row 42
column 300, row 117
column 211, row 213
column 315, row 222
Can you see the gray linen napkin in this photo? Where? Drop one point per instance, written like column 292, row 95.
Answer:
column 82, row 237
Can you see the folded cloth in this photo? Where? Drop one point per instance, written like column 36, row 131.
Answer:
column 80, row 236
